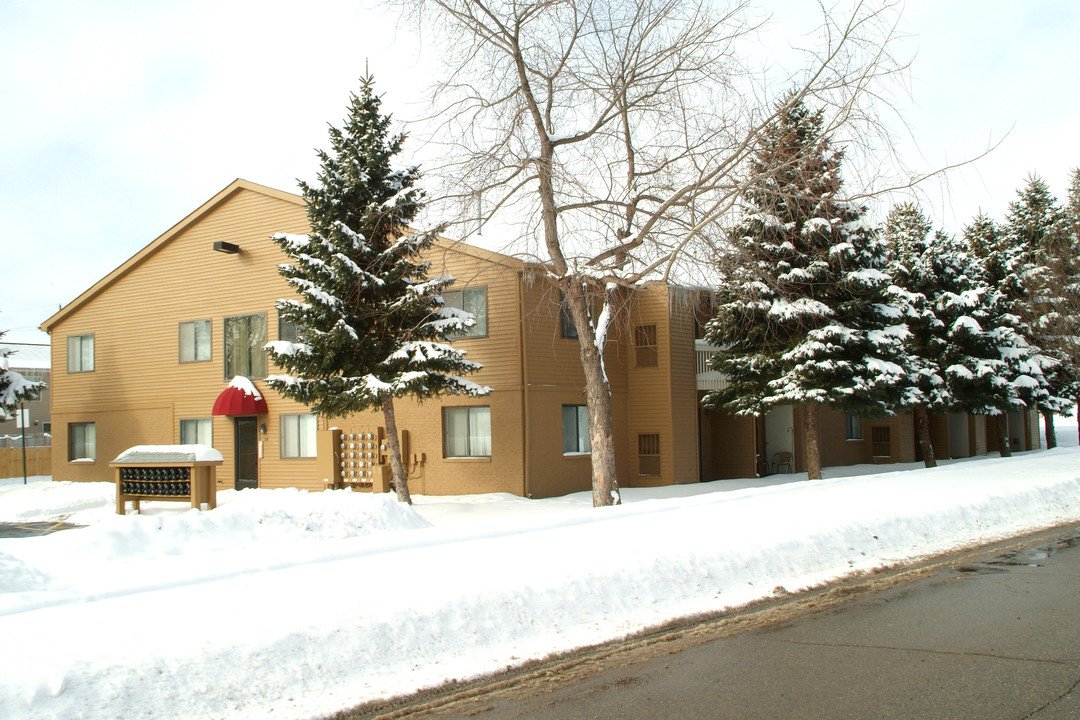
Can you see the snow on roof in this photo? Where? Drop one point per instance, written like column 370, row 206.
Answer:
column 28, row 356
column 169, row 454
column 242, row 383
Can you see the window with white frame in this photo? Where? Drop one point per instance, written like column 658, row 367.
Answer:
column 575, row 429
column 298, row 436
column 467, row 432
column 472, row 300
column 82, row 441
column 80, row 353
column 245, row 339
column 197, row 431
column 195, row 341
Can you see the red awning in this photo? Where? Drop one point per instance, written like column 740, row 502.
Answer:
column 240, row 398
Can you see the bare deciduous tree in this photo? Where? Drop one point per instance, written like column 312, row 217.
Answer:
column 612, row 136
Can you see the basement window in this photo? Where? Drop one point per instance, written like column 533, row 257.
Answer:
column 82, row 442
column 648, row 454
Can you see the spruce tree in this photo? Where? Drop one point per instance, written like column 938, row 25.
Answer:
column 986, row 241
column 1072, row 204
column 1037, row 238
column 1057, row 314
column 987, row 365
column 917, row 276
column 1009, row 371
column 803, row 316
column 1070, row 278
column 14, row 388
column 371, row 325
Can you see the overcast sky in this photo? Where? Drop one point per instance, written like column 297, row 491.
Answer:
column 117, row 119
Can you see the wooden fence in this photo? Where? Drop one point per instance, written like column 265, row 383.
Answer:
column 38, row 461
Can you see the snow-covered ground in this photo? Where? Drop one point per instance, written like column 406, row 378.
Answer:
column 295, row 605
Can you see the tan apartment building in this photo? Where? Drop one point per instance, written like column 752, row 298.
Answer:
column 143, row 356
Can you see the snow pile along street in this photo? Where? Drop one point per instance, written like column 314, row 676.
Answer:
column 289, row 604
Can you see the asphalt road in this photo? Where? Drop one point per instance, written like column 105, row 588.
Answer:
column 980, row 636
column 32, row 529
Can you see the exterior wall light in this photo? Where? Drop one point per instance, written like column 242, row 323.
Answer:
column 226, row 247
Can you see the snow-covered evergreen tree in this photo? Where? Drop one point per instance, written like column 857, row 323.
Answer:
column 988, row 366
column 967, row 349
column 917, row 276
column 1055, row 309
column 371, row 325
column 1038, row 240
column 1019, row 379
column 14, row 388
column 1069, row 327
column 1033, row 226
column 803, row 314
column 1072, row 204
column 986, row 241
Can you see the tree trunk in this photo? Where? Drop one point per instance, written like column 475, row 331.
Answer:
column 810, row 436
column 605, row 484
column 1003, row 435
column 922, row 432
column 597, row 391
column 393, row 445
column 1051, row 435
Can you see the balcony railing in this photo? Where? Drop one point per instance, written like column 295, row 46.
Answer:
column 708, row 379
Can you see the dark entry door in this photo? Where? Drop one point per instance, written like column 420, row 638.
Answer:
column 247, row 452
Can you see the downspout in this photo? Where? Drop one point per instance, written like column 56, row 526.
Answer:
column 523, row 365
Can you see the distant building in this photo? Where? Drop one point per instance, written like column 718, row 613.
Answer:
column 31, row 360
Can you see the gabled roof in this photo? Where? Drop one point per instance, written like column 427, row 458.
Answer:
column 234, row 187
column 135, row 260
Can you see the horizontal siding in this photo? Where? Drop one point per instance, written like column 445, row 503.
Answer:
column 498, row 352
column 554, row 377
column 435, row 475
column 682, row 363
column 650, row 389
column 139, row 391
column 116, row 430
